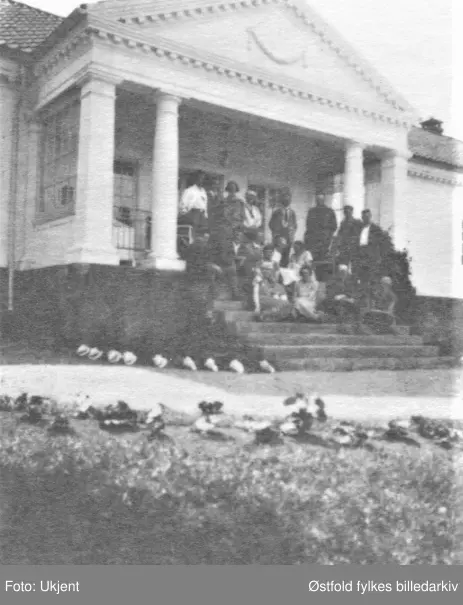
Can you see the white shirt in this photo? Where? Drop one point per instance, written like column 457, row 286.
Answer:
column 276, row 257
column 252, row 217
column 193, row 197
column 364, row 235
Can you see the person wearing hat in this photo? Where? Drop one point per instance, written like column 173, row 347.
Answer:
column 346, row 240
column 252, row 214
column 226, row 233
column 193, row 206
column 321, row 225
column 283, row 224
column 342, row 301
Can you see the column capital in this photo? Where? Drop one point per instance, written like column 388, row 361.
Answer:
column 167, row 96
column 354, row 148
column 98, row 82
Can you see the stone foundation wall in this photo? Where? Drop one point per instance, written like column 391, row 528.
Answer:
column 440, row 321
column 100, row 305
column 126, row 308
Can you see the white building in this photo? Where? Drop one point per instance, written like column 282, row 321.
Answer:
column 104, row 113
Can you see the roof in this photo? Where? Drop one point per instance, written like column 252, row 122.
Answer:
column 22, row 27
column 435, row 147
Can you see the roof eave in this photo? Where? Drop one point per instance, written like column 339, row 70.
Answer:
column 77, row 16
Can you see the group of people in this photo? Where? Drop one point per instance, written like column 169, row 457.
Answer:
column 278, row 280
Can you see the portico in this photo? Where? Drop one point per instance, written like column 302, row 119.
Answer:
column 270, row 81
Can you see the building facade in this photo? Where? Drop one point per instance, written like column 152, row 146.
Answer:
column 105, row 113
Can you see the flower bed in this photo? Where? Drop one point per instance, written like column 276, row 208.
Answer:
column 89, row 496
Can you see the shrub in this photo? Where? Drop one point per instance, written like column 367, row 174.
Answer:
column 397, row 265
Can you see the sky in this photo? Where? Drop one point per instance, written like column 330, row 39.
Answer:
column 415, row 44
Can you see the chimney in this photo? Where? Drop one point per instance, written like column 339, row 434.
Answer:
column 433, row 125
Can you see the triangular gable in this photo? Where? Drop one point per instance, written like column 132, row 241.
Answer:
column 282, row 37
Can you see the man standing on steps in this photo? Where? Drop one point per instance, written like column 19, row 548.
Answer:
column 367, row 256
column 321, row 225
column 283, row 224
column 226, row 223
column 347, row 236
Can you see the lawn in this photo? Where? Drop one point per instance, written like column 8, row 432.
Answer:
column 98, row 498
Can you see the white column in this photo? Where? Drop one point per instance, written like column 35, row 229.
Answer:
column 163, row 253
column 354, row 187
column 29, row 258
column 93, row 222
column 8, row 100
column 393, row 210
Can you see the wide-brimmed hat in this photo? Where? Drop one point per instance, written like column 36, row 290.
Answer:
column 95, row 354
column 129, row 358
column 114, row 356
column 83, row 350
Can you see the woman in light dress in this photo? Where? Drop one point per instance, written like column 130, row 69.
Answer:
column 298, row 259
column 305, row 296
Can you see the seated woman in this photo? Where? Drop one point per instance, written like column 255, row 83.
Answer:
column 270, row 299
column 305, row 296
column 298, row 259
column 380, row 318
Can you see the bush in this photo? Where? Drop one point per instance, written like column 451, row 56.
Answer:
column 397, row 265
column 99, row 499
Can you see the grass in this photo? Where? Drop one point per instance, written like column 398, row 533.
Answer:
column 94, row 498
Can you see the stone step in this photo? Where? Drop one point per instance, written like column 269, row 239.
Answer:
column 237, row 315
column 292, row 339
column 363, row 363
column 278, row 352
column 243, row 327
column 229, row 305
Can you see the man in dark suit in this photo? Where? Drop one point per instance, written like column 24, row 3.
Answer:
column 347, row 236
column 321, row 225
column 283, row 224
column 367, row 256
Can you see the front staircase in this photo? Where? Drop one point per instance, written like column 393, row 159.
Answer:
column 318, row 347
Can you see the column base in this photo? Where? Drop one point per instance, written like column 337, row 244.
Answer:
column 96, row 256
column 163, row 264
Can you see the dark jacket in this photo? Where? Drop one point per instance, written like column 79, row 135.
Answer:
column 349, row 231
column 321, row 224
column 373, row 249
column 283, row 223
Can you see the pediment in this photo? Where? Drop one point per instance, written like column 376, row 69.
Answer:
column 274, row 37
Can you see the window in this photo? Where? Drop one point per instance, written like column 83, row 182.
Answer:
column 59, row 162
column 125, row 190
